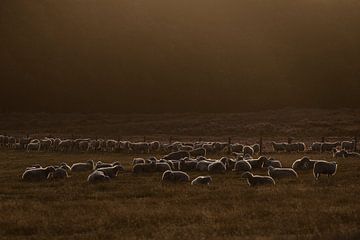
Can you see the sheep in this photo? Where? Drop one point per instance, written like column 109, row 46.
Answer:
column 340, row 153
column 242, row 166
column 316, row 146
column 271, row 162
column 45, row 144
column 162, row 166
column 65, row 166
column 256, row 180
column 187, row 164
column 324, row 167
column 236, row 147
column 37, row 174
column 220, row 146
column 278, row 147
column 154, row 146
column 33, row 146
column 257, row 163
column 111, row 145
column 97, row 176
column 82, row 167
column 203, row 165
column 329, row 146
column 186, row 148
column 138, row 160
column 202, row 180
column 84, row 146
column 100, row 164
column 292, row 147
column 210, row 147
column 347, row 145
column 175, row 176
column 301, row 147
column 353, row 154
column 248, row 150
column 139, row 147
column 177, row 155
column 277, row 173
column 198, row 152
column 33, row 167
column 256, row 148
column 111, row 171
column 303, row 164
column 59, row 173
column 144, row 167
column 217, row 167
column 65, row 145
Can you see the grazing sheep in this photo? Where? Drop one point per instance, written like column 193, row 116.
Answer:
column 139, row 147
column 303, row 164
column 279, row 147
column 271, row 162
column 339, row 153
column 175, row 176
column 217, row 167
column 65, row 145
column 236, row 147
column 242, row 166
column 111, row 171
column 329, row 146
column 65, row 166
column 33, row 146
column 220, row 146
column 324, row 167
column 210, row 147
column 138, row 160
column 162, row 166
column 198, row 152
column 82, row 167
column 256, row 180
column 316, row 146
column 277, row 173
column 202, row 180
column 177, row 155
column 59, row 173
column 187, row 164
column 111, row 145
column 97, row 176
column 154, row 146
column 348, row 145
column 301, row 147
column 257, row 163
column 248, row 150
column 83, row 146
column 37, row 174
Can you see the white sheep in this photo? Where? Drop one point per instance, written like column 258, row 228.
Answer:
column 277, row 173
column 248, row 150
column 257, row 163
column 203, row 165
column 324, row 167
column 111, row 171
column 82, row 167
column 329, row 146
column 59, row 173
column 279, row 147
column 256, row 180
column 316, row 146
column 348, row 145
column 175, row 176
column 33, row 146
column 37, row 174
column 217, row 167
column 97, row 176
column 198, row 152
column 202, row 180
column 303, row 164
column 177, row 155
column 271, row 162
column 242, row 166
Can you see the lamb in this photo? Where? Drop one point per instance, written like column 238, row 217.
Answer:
column 59, row 173
column 324, row 167
column 303, row 164
column 175, row 176
column 37, row 174
column 279, row 147
column 198, row 152
column 256, row 180
column 242, row 166
column 111, row 171
column 202, row 180
column 248, row 150
column 177, row 155
column 82, row 167
column 347, row 145
column 97, row 176
column 217, row 167
column 277, row 173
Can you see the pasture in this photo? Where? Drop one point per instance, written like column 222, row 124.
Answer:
column 141, row 207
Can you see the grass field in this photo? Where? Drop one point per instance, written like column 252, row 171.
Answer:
column 140, row 207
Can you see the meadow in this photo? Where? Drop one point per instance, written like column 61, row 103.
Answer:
column 141, row 207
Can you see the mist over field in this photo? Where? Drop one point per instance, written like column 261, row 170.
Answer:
column 178, row 56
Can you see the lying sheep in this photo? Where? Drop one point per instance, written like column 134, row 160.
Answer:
column 82, row 167
column 175, row 176
column 59, row 173
column 177, row 155
column 37, row 174
column 144, row 167
column 97, row 176
column 111, row 171
column 256, row 180
column 217, row 167
column 324, row 167
column 202, row 180
column 198, row 152
column 277, row 173
column 242, row 166
column 303, row 164
column 100, row 164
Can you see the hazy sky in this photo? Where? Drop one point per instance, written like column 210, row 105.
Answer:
column 178, row 55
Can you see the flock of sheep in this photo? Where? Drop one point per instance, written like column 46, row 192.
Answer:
column 186, row 157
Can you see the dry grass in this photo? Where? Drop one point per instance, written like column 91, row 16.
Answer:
column 140, row 207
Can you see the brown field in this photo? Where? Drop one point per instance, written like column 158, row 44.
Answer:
column 140, row 207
